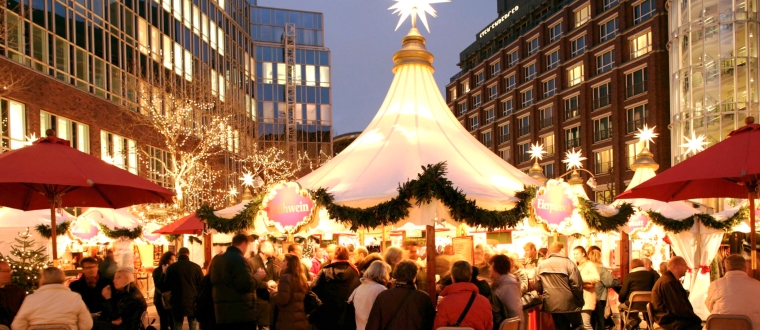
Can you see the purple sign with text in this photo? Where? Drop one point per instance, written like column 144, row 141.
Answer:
column 553, row 206
column 288, row 207
column 637, row 222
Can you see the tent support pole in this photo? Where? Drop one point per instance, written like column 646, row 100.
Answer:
column 207, row 247
column 382, row 243
column 431, row 254
column 752, row 238
column 625, row 255
column 53, row 233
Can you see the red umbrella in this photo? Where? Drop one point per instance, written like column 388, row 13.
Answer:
column 189, row 224
column 51, row 174
column 730, row 168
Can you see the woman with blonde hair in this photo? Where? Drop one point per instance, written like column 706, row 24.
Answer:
column 590, row 277
column 373, row 282
column 124, row 305
column 53, row 303
column 289, row 294
column 602, row 287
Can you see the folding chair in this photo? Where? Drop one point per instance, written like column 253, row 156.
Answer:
column 637, row 302
column 49, row 327
column 510, row 324
column 728, row 321
column 650, row 319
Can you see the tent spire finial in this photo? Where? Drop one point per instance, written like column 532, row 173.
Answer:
column 537, row 172
column 413, row 51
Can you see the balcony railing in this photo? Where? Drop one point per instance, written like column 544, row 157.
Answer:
column 572, row 113
column 633, row 125
column 636, row 89
column 523, row 157
column 549, row 153
column 602, row 102
column 522, row 131
column 503, row 138
column 546, row 122
column 602, row 135
column 572, row 143
column 602, row 168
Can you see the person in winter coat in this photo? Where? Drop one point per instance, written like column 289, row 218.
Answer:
column 184, row 278
column 602, row 287
column 159, row 283
column 233, row 286
column 483, row 287
column 506, row 291
column 124, row 305
column 53, row 303
column 289, row 294
column 11, row 295
column 333, row 285
column 638, row 279
column 735, row 293
column 90, row 285
column 265, row 259
column 373, row 282
column 561, row 286
column 403, row 307
column 590, row 277
column 204, row 305
column 456, row 297
column 670, row 304
column 108, row 266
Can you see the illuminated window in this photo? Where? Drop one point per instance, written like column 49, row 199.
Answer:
column 633, row 149
column 453, row 93
column 548, row 142
column 324, row 76
column 167, row 52
column 582, row 15
column 465, row 87
column 119, row 151
column 641, row 44
column 603, row 160
column 575, row 75
column 12, row 125
column 142, row 35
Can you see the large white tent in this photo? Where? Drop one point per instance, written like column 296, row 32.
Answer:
column 13, row 222
column 414, row 127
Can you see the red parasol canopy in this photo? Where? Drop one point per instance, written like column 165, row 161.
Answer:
column 730, row 168
column 189, row 224
column 52, row 174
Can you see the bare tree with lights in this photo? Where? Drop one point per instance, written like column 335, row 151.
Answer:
column 12, row 78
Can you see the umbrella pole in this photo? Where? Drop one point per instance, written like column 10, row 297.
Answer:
column 752, row 238
column 53, row 233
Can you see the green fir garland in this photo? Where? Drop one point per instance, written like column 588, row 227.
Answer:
column 121, row 232
column 601, row 223
column 240, row 221
column 677, row 226
column 60, row 229
column 172, row 237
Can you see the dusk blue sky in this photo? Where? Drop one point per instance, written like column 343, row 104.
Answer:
column 360, row 36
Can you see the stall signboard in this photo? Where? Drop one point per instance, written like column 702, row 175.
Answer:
column 637, row 222
column 553, row 204
column 148, row 230
column 287, row 206
column 464, row 246
column 84, row 228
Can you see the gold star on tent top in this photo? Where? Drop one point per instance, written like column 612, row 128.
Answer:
column 573, row 159
column 414, row 8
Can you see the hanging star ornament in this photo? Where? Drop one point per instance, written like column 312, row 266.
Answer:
column 247, row 179
column 30, row 139
column 233, row 191
column 646, row 135
column 695, row 144
column 537, row 151
column 414, row 8
column 573, row 159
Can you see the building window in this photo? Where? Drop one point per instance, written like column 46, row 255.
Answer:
column 548, row 142
column 473, row 123
column 493, row 92
column 476, row 100
column 453, row 93
column 603, row 160
column 119, row 151
column 532, row 46
column 605, row 62
column 605, row 196
column 633, row 150
column 157, row 163
column 486, row 139
column 490, row 115
column 523, row 152
column 464, row 87
column 572, row 107
column 552, row 60
column 479, row 78
column 495, row 69
column 603, row 128
column 545, row 117
column 77, row 133
column 602, row 95
column 507, row 108
column 641, row 44
column 550, row 87
column 578, row 46
column 12, row 125
column 575, row 75
column 555, row 32
column 643, row 11
column 548, row 170
column 530, row 71
column 523, row 126
column 462, row 108
column 573, row 138
column 607, row 4
column 512, row 58
column 636, row 82
column 505, row 154
column 510, row 82
column 636, row 118
column 608, row 29
column 527, row 98
column 582, row 15
column 504, row 133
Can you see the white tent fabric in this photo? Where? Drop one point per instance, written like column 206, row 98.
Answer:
column 13, row 218
column 673, row 210
column 230, row 212
column 414, row 127
column 112, row 218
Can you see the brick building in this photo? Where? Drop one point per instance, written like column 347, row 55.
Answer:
column 574, row 74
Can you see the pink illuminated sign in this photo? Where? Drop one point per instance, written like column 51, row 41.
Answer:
column 553, row 206
column 288, row 207
column 637, row 222
column 84, row 228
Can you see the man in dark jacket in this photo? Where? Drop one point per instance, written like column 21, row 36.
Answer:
column 234, row 286
column 265, row 260
column 11, row 296
column 108, row 267
column 403, row 307
column 183, row 279
column 560, row 283
column 670, row 304
column 334, row 284
column 639, row 279
column 90, row 285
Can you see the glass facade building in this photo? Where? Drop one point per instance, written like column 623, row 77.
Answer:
column 713, row 68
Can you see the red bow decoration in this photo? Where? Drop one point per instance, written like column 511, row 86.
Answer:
column 704, row 269
column 666, row 239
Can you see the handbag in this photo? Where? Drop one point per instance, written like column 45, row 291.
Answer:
column 311, row 302
column 347, row 319
column 166, row 298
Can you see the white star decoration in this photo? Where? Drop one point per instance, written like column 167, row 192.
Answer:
column 695, row 144
column 233, row 191
column 646, row 135
column 406, row 8
column 247, row 179
column 30, row 139
column 573, row 159
column 537, row 151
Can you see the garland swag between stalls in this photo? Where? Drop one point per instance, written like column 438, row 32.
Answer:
column 242, row 220
column 677, row 226
column 121, row 232
column 46, row 231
